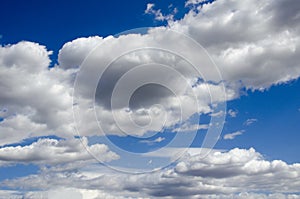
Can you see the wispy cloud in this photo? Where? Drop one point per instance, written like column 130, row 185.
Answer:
column 158, row 14
column 157, row 140
column 217, row 114
column 250, row 121
column 231, row 136
column 232, row 113
column 190, row 127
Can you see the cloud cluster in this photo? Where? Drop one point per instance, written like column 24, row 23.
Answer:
column 36, row 100
column 238, row 173
column 251, row 50
column 158, row 14
column 255, row 43
column 138, row 89
column 46, row 151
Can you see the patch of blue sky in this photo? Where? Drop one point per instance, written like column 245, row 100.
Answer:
column 17, row 171
column 29, row 141
column 276, row 131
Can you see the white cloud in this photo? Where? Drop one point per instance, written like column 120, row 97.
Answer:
column 48, row 103
column 186, row 127
column 10, row 194
column 72, row 54
column 232, row 113
column 37, row 100
column 254, row 43
column 238, row 173
column 25, row 56
column 194, row 2
column 157, row 140
column 231, row 136
column 158, row 14
column 52, row 152
column 217, row 114
column 238, row 43
column 250, row 121
column 143, row 105
column 257, row 50
column 149, row 8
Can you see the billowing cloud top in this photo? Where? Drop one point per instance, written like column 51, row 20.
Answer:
column 251, row 50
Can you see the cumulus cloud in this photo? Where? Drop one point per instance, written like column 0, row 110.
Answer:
column 237, row 43
column 72, row 54
column 256, row 50
column 235, row 50
column 25, row 56
column 48, row 151
column 238, row 173
column 255, row 45
column 164, row 88
column 37, row 100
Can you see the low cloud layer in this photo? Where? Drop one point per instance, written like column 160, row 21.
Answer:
column 46, row 151
column 238, row 173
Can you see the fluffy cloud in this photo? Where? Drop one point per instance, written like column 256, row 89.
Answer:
column 255, row 45
column 238, row 173
column 40, row 102
column 238, row 43
column 25, row 56
column 253, row 42
column 37, row 100
column 42, row 97
column 142, row 86
column 72, row 54
column 48, row 151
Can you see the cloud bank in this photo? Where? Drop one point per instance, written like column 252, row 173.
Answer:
column 238, row 173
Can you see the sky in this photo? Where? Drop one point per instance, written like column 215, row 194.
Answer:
column 150, row 99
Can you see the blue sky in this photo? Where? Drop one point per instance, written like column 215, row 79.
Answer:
column 275, row 133
column 54, row 23
column 256, row 56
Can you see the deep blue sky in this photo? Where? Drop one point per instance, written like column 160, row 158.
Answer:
column 276, row 133
column 53, row 23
